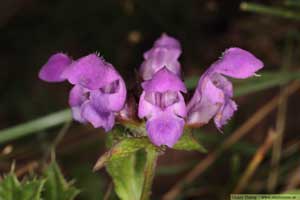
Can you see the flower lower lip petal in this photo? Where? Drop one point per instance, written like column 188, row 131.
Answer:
column 165, row 129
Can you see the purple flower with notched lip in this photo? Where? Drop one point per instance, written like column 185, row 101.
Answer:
column 164, row 53
column 163, row 105
column 99, row 91
column 212, row 98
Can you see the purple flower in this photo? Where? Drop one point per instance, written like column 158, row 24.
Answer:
column 164, row 53
column 99, row 91
column 163, row 105
column 212, row 98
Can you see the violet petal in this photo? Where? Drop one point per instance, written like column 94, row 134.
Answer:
column 55, row 66
column 163, row 81
column 237, row 63
column 159, row 58
column 167, row 41
column 96, row 117
column 91, row 72
column 165, row 129
column 225, row 113
column 110, row 101
column 203, row 107
column 147, row 109
column 77, row 96
column 164, row 53
column 76, row 114
column 179, row 107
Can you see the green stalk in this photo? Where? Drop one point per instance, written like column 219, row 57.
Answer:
column 30, row 127
column 279, row 12
column 149, row 172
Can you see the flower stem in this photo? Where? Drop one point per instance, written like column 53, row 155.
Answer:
column 149, row 172
column 34, row 126
column 279, row 12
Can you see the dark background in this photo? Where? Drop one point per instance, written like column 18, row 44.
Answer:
column 121, row 30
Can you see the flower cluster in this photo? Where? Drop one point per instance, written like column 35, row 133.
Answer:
column 99, row 92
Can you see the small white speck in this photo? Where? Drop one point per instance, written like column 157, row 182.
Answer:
column 257, row 75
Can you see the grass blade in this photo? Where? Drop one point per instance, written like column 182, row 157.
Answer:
column 278, row 12
column 33, row 126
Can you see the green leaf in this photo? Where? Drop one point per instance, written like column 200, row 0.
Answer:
column 189, row 143
column 92, row 185
column 52, row 187
column 124, row 148
column 12, row 189
column 56, row 187
column 128, row 146
column 127, row 174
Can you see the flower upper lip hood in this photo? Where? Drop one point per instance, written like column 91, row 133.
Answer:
column 90, row 72
column 167, row 42
column 56, row 65
column 99, row 91
column 212, row 97
column 164, row 53
column 163, row 81
column 237, row 63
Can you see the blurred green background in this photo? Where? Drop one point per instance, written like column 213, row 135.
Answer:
column 121, row 30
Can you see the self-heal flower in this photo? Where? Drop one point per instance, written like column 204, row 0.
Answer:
column 99, row 91
column 164, row 53
column 163, row 105
column 213, row 96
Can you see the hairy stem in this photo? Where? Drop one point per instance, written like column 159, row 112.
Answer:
column 149, row 172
